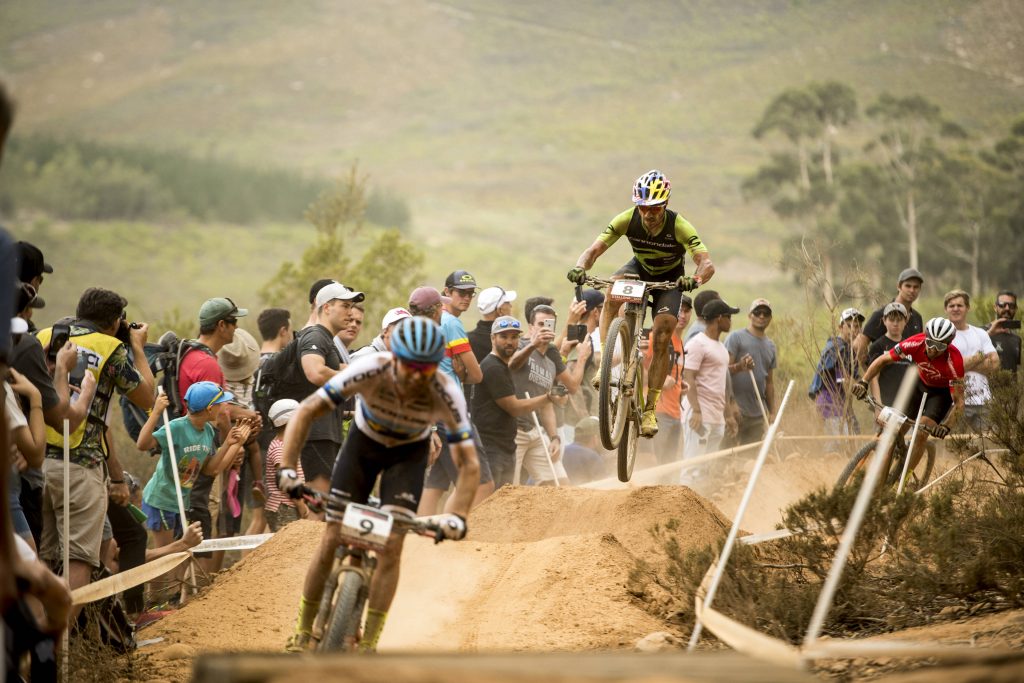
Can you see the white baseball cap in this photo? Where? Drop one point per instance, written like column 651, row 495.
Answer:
column 490, row 299
column 393, row 316
column 18, row 325
column 336, row 290
column 282, row 411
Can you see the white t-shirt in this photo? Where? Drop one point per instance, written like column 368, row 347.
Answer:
column 971, row 342
column 710, row 359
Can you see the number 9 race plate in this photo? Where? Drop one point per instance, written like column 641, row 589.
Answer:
column 630, row 291
column 365, row 527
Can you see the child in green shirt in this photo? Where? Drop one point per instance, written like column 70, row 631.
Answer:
column 194, row 450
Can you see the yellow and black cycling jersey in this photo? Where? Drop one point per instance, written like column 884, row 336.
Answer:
column 659, row 253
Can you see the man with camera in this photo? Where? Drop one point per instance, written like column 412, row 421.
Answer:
column 1005, row 331
column 101, row 334
column 536, row 367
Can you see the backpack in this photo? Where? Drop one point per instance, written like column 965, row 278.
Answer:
column 164, row 359
column 278, row 376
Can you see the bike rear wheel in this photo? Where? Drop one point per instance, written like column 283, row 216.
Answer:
column 341, row 632
column 614, row 403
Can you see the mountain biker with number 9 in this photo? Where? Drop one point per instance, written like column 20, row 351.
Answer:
column 660, row 240
column 940, row 371
column 400, row 397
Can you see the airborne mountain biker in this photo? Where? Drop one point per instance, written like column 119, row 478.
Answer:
column 660, row 240
column 940, row 378
column 401, row 397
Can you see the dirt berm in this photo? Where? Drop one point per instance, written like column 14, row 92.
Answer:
column 543, row 570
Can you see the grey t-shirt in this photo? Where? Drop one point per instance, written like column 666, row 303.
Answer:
column 536, row 376
column 762, row 350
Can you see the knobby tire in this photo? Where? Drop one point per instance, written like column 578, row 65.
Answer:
column 896, row 466
column 340, row 635
column 613, row 406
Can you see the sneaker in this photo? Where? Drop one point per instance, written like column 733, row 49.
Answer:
column 299, row 642
column 649, row 424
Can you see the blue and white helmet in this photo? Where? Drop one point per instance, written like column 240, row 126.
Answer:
column 419, row 340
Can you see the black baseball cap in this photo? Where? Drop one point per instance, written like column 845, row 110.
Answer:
column 460, row 279
column 31, row 263
column 593, row 298
column 717, row 307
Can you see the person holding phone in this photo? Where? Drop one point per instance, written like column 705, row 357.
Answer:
column 1004, row 331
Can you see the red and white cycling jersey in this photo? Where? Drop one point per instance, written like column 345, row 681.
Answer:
column 942, row 371
column 387, row 416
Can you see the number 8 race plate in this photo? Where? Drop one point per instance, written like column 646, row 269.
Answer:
column 365, row 526
column 630, row 291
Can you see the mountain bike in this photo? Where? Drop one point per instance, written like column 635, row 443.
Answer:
column 621, row 393
column 364, row 532
column 917, row 477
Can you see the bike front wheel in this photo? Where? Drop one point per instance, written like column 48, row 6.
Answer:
column 343, row 629
column 614, row 396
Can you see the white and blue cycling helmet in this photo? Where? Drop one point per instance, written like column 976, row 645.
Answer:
column 419, row 340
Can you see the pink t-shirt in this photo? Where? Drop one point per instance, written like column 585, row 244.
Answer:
column 710, row 360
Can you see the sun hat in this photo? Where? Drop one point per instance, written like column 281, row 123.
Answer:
column 239, row 359
column 281, row 411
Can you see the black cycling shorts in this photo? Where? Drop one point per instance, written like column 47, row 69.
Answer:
column 361, row 460
column 936, row 406
column 667, row 301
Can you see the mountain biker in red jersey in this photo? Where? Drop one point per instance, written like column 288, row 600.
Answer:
column 660, row 240
column 940, row 378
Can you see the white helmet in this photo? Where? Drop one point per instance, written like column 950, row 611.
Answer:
column 940, row 330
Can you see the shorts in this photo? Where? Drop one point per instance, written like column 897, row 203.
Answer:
column 162, row 520
column 201, row 515
column 502, row 462
column 443, row 473
column 667, row 301
column 88, row 506
column 531, row 454
column 281, row 516
column 361, row 460
column 318, row 458
column 937, row 404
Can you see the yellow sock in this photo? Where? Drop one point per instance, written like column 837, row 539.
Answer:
column 652, row 398
column 307, row 615
column 374, row 626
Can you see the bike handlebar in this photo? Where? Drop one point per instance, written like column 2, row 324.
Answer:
column 315, row 501
column 603, row 283
column 871, row 401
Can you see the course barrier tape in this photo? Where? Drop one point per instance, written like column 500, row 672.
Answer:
column 232, row 543
column 118, row 583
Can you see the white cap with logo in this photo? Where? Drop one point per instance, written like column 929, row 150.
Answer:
column 490, row 299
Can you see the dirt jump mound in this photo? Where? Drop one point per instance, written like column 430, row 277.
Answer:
column 543, row 569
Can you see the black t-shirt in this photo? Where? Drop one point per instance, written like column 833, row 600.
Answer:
column 480, row 339
column 497, row 428
column 890, row 378
column 875, row 326
column 318, row 340
column 1008, row 348
column 27, row 357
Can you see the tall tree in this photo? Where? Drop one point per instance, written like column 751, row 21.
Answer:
column 836, row 108
column 906, row 148
column 792, row 114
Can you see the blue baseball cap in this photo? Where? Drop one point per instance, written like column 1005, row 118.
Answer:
column 202, row 395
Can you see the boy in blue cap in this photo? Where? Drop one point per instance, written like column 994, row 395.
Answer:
column 194, row 450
